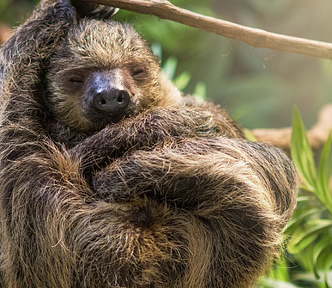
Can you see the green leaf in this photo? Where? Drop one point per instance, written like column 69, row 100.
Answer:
column 328, row 264
column 307, row 233
column 272, row 283
column 298, row 219
column 318, row 250
column 249, row 135
column 301, row 152
column 182, row 80
column 170, row 67
column 200, row 92
column 324, row 172
column 279, row 270
column 156, row 49
column 305, row 198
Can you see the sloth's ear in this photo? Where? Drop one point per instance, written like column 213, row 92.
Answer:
column 93, row 10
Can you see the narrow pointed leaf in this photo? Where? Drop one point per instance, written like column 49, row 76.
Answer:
column 279, row 270
column 324, row 174
column 318, row 250
column 182, row 80
column 301, row 152
column 307, row 233
column 249, row 135
column 170, row 67
column 200, row 92
column 328, row 264
column 296, row 221
column 305, row 198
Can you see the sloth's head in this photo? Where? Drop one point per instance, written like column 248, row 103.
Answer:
column 103, row 72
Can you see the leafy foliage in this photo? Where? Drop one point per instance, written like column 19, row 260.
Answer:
column 310, row 247
column 183, row 79
column 311, row 241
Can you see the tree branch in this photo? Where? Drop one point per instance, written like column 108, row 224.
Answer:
column 317, row 135
column 254, row 37
column 5, row 33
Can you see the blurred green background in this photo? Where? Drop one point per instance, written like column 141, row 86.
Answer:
column 258, row 87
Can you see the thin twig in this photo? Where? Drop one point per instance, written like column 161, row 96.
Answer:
column 255, row 37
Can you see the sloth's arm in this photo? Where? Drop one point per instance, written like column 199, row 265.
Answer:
column 204, row 175
column 153, row 128
column 239, row 193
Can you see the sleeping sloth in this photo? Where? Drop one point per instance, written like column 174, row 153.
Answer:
column 110, row 178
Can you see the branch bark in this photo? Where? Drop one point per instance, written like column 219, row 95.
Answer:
column 281, row 138
column 254, row 37
column 5, row 33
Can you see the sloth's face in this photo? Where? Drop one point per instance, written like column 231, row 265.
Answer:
column 102, row 73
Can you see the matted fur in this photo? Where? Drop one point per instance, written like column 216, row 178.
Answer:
column 172, row 195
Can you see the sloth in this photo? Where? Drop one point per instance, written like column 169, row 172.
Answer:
column 110, row 178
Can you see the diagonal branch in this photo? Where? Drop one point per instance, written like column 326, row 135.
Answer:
column 254, row 37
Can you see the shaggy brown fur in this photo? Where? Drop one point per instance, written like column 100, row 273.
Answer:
column 172, row 196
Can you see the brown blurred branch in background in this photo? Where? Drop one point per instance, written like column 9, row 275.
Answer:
column 317, row 135
column 5, row 33
column 256, row 37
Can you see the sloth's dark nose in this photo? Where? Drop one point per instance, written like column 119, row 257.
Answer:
column 107, row 93
column 110, row 100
